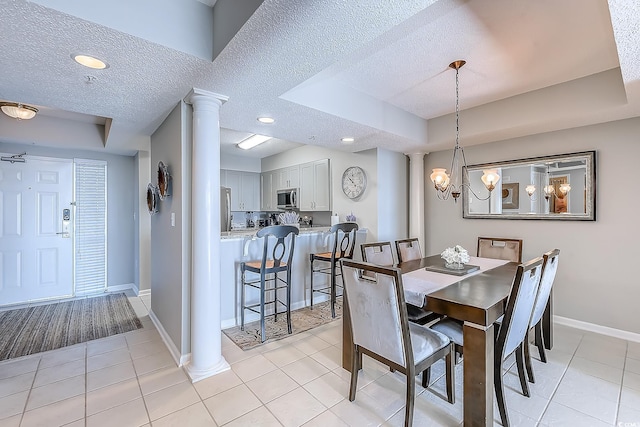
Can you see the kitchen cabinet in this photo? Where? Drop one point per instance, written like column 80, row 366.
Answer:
column 245, row 190
column 267, row 192
column 315, row 186
column 288, row 177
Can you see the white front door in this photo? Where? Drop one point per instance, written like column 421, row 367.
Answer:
column 36, row 257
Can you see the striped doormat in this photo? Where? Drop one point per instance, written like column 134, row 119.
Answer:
column 47, row 327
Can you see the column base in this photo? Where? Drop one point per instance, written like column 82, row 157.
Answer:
column 200, row 374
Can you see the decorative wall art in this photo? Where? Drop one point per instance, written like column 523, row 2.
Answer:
column 511, row 196
column 163, row 180
column 152, row 199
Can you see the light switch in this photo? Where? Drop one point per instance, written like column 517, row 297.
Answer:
column 173, row 219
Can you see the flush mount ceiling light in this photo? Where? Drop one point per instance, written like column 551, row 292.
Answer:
column 348, row 140
column 266, row 120
column 449, row 184
column 89, row 61
column 18, row 111
column 252, row 141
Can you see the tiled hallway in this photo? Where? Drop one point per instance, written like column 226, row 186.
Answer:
column 131, row 380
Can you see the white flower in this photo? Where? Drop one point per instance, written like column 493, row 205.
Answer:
column 457, row 254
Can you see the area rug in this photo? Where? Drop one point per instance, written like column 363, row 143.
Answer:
column 47, row 327
column 301, row 320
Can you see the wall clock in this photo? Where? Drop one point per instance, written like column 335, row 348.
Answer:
column 354, row 182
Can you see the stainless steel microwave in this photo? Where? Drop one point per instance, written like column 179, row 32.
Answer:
column 287, row 198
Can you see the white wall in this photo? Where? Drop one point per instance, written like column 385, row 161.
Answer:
column 239, row 163
column 121, row 198
column 393, row 190
column 596, row 281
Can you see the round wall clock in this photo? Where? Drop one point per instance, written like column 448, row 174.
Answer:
column 354, row 182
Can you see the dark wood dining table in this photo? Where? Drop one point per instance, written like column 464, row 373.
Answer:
column 478, row 300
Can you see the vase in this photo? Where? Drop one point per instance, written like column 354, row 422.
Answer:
column 454, row 265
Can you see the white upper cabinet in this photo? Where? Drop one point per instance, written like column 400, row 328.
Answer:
column 245, row 190
column 315, row 186
column 288, row 177
column 267, row 200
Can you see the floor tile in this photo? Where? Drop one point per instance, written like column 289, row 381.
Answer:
column 142, row 335
column 60, row 413
column 231, row 404
column 144, row 365
column 560, row 415
column 111, row 396
column 15, row 384
column 629, row 416
column 111, row 375
column 147, row 349
column 13, row 404
column 253, row 367
column 217, row 384
column 284, row 355
column 596, row 369
column 630, row 397
column 272, row 385
column 104, row 360
column 132, row 414
column 331, row 357
column 106, row 345
column 59, row 372
column 13, row 421
column 163, row 378
column 389, row 393
column 295, row 408
column 329, row 389
column 632, row 365
column 360, row 412
column 12, row 368
column 258, row 417
column 631, row 380
column 589, row 395
column 170, row 399
column 194, row 415
column 63, row 355
column 311, row 345
column 305, row 370
column 327, row 419
column 332, row 335
column 55, row 392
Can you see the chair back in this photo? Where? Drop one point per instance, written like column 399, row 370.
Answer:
column 500, row 248
column 344, row 239
column 408, row 249
column 549, row 268
column 377, row 310
column 282, row 251
column 378, row 253
column 515, row 324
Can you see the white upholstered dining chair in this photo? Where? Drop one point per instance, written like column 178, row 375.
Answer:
column 408, row 249
column 500, row 248
column 380, row 329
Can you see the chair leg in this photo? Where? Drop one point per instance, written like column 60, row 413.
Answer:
column 275, row 297
column 289, row 299
column 451, row 375
column 242, row 298
column 527, row 360
column 520, row 364
column 499, row 388
column 355, row 357
column 333, row 288
column 411, row 394
column 263, row 332
column 311, row 296
column 426, row 377
column 539, row 340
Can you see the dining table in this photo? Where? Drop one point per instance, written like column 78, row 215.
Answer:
column 477, row 298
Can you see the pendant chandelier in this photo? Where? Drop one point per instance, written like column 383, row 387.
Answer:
column 549, row 190
column 451, row 184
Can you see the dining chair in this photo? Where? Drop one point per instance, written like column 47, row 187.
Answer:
column 513, row 329
column 500, row 248
column 549, row 268
column 274, row 261
column 344, row 241
column 408, row 249
column 380, row 330
column 378, row 253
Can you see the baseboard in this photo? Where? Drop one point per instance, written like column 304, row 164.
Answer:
column 592, row 327
column 123, row 287
column 144, row 292
column 175, row 353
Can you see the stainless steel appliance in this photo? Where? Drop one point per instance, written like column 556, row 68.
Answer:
column 225, row 209
column 287, row 198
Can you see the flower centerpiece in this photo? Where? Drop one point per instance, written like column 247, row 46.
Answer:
column 455, row 257
column 289, row 218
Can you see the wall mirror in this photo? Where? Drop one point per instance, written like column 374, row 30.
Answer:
column 558, row 187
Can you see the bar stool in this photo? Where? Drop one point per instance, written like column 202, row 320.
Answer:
column 280, row 260
column 344, row 242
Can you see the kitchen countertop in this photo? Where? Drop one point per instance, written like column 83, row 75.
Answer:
column 241, row 233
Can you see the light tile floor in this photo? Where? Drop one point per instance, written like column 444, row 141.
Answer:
column 131, row 380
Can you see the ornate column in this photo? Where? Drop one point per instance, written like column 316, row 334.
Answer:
column 206, row 346
column 416, row 198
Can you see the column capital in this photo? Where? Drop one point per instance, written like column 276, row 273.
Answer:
column 419, row 154
column 197, row 94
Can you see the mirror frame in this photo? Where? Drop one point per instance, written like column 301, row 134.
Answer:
column 589, row 215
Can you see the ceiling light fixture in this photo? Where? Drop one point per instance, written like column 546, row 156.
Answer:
column 90, row 61
column 18, row 111
column 449, row 184
column 252, row 141
column 549, row 189
column 348, row 140
column 266, row 120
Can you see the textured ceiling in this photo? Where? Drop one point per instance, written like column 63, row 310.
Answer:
column 324, row 69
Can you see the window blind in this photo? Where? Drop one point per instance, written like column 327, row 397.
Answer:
column 90, row 226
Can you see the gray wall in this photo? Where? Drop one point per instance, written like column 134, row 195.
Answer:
column 595, row 282
column 393, row 190
column 167, row 287
column 121, row 198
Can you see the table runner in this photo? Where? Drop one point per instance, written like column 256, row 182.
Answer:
column 418, row 284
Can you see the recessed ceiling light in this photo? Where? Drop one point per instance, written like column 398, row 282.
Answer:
column 18, row 111
column 266, row 120
column 348, row 139
column 89, row 61
column 252, row 141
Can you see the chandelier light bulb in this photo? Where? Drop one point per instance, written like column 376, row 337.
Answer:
column 440, row 178
column 530, row 189
column 490, row 178
column 564, row 189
